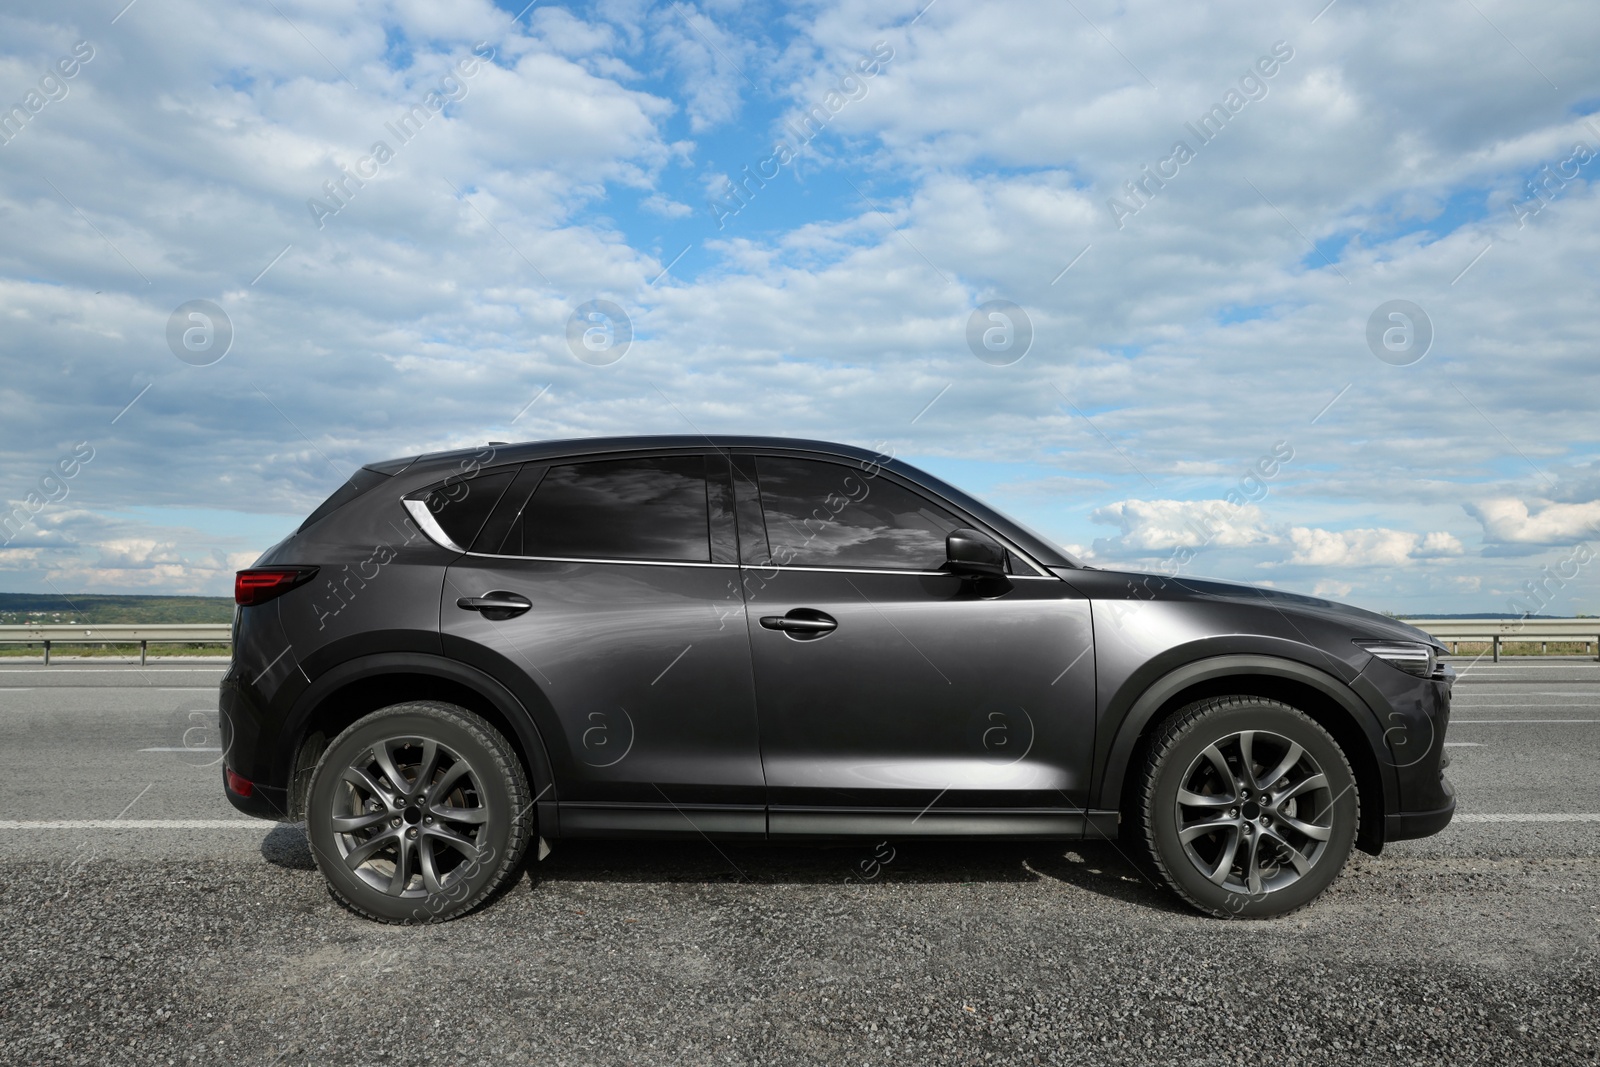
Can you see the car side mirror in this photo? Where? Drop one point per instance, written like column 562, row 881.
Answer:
column 973, row 555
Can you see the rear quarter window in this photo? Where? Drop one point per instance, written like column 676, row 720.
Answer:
column 360, row 482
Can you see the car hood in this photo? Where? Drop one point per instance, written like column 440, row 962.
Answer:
column 1370, row 623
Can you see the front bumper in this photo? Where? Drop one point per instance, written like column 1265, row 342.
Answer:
column 1415, row 716
column 1406, row 825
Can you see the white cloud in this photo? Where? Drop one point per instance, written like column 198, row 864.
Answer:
column 1510, row 520
column 1367, row 548
column 1161, row 524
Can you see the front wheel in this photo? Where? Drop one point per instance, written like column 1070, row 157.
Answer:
column 1249, row 807
column 418, row 813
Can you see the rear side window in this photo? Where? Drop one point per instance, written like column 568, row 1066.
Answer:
column 647, row 508
column 827, row 515
column 359, row 483
column 461, row 505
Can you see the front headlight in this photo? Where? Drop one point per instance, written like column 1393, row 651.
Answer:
column 1413, row 657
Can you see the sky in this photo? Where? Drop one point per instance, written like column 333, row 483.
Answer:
column 1297, row 294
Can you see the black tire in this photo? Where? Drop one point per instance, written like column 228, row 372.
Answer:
column 459, row 823
column 1270, row 850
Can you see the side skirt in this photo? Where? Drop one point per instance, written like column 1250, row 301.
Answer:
column 754, row 823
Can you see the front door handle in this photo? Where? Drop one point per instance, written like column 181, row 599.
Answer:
column 497, row 605
column 802, row 624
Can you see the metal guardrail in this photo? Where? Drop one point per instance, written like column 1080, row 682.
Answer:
column 50, row 634
column 1450, row 631
column 1522, row 631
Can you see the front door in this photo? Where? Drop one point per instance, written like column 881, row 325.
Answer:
column 895, row 697
column 607, row 591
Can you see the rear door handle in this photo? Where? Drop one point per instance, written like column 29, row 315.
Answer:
column 496, row 605
column 802, row 624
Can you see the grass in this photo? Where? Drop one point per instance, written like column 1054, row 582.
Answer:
column 61, row 651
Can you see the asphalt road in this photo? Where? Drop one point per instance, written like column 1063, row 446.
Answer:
column 143, row 921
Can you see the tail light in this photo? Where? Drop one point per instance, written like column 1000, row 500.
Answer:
column 261, row 584
column 239, row 785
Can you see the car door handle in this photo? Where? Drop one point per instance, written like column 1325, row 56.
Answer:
column 801, row 623
column 496, row 605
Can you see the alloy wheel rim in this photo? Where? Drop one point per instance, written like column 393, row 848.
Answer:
column 410, row 817
column 1254, row 812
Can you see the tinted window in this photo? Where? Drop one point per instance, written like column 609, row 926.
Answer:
column 648, row 508
column 462, row 504
column 828, row 515
column 502, row 535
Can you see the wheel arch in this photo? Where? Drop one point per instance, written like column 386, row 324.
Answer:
column 344, row 693
column 1332, row 704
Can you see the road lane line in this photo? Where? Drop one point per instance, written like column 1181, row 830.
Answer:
column 1447, row 744
column 131, row 824
column 1541, row 817
column 1454, row 722
column 180, row 748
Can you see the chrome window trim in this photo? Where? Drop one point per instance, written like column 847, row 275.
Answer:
column 603, row 559
column 871, row 570
column 430, row 525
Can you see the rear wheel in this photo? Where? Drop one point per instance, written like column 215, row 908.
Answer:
column 418, row 813
column 1249, row 807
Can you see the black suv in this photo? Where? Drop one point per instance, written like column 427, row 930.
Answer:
column 459, row 655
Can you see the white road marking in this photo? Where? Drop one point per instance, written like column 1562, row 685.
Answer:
column 1454, row 722
column 1542, row 817
column 132, row 824
column 180, row 748
column 1447, row 744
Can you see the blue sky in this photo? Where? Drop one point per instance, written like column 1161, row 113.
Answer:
column 1186, row 336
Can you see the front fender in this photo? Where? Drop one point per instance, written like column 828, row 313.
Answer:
column 1135, row 704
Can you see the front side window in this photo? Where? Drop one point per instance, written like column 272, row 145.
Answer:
column 647, row 508
column 821, row 514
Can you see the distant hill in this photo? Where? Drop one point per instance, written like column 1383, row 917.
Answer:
column 1484, row 615
column 19, row 608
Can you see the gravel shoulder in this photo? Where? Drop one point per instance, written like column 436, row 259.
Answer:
column 631, row 954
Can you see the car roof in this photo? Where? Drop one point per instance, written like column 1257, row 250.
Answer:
column 525, row 451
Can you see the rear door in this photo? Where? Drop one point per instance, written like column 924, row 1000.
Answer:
column 605, row 590
column 915, row 701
